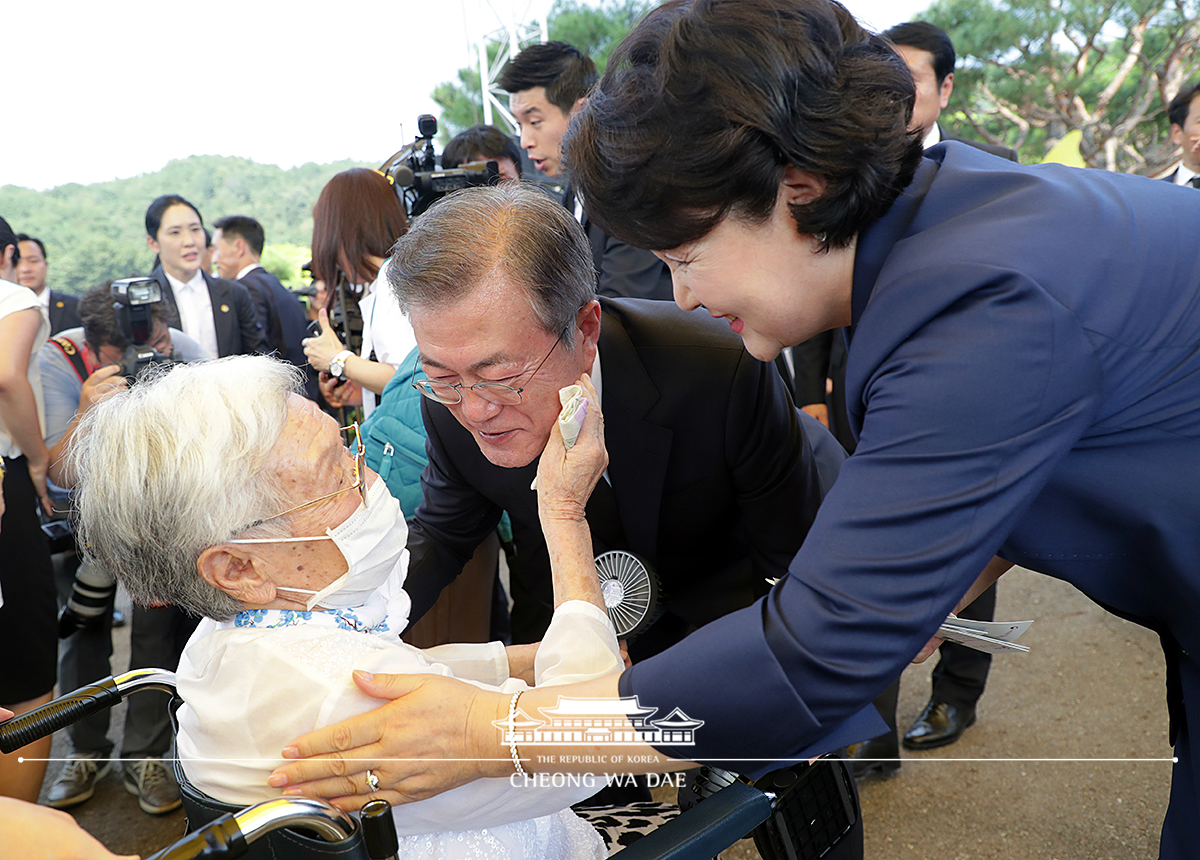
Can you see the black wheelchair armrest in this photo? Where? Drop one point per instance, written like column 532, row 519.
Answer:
column 706, row 829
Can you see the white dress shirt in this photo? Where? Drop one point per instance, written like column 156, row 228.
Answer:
column 195, row 309
column 1183, row 174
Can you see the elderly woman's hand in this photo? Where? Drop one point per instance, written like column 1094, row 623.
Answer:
column 436, row 733
column 566, row 478
column 322, row 349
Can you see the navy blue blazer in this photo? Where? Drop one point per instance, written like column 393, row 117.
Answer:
column 289, row 322
column 238, row 329
column 1017, row 386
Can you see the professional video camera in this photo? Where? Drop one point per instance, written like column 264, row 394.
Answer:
column 419, row 183
column 134, row 299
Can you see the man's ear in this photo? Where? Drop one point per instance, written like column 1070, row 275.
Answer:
column 799, row 186
column 588, row 323
column 1177, row 137
column 236, row 571
column 577, row 107
column 944, row 91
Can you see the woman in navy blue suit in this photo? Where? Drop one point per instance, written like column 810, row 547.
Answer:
column 1020, row 393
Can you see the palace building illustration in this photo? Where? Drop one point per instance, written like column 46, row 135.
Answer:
column 599, row 721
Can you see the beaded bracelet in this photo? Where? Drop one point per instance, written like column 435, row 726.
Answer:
column 512, row 729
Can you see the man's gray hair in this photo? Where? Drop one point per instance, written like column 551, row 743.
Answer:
column 174, row 465
column 510, row 230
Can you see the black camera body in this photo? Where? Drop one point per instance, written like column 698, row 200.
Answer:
column 418, row 181
column 134, row 300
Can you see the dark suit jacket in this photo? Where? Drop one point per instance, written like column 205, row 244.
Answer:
column 238, row 329
column 1170, row 177
column 288, row 322
column 712, row 477
column 623, row 270
column 64, row 312
column 1018, row 388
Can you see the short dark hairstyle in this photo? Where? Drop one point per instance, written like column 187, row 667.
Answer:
column 926, row 37
column 8, row 237
column 1177, row 111
column 356, row 217
column 244, row 227
column 567, row 73
column 159, row 206
column 512, row 229
column 705, row 103
column 24, row 237
column 487, row 140
column 99, row 318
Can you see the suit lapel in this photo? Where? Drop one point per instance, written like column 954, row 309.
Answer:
column 224, row 318
column 638, row 449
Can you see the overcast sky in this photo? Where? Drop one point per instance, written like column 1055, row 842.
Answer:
column 101, row 91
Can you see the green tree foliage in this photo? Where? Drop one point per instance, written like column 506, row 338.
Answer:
column 594, row 28
column 95, row 232
column 1030, row 71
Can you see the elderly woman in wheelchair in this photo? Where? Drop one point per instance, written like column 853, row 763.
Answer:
column 218, row 488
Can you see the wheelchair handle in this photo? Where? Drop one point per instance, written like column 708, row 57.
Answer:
column 73, row 707
column 231, row 834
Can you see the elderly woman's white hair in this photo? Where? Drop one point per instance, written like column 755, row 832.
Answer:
column 173, row 466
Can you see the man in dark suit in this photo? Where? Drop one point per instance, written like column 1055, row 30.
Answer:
column 711, row 478
column 549, row 83
column 237, row 254
column 31, row 272
column 1184, row 113
column 217, row 313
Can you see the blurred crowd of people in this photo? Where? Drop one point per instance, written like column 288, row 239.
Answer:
column 355, row 345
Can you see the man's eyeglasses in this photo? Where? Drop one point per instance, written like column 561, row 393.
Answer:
column 359, row 483
column 493, row 392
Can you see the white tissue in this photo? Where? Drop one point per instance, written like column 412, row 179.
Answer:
column 574, row 410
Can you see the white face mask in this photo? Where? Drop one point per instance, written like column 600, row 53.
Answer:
column 373, row 541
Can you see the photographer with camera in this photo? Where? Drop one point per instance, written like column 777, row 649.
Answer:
column 356, row 221
column 124, row 330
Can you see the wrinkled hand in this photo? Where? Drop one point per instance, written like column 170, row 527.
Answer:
column 434, row 735
column 565, row 479
column 320, row 350
column 339, row 392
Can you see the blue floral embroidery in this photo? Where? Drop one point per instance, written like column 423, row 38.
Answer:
column 346, row 619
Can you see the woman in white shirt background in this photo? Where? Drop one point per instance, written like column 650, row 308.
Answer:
column 28, row 625
column 357, row 219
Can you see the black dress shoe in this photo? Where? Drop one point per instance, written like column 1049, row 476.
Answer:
column 877, row 758
column 939, row 724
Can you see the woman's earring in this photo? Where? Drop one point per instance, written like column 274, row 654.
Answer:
column 822, row 238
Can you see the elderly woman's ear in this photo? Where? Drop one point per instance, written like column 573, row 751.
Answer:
column 237, row 571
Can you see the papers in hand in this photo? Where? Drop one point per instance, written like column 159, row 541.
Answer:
column 992, row 637
column 574, row 410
